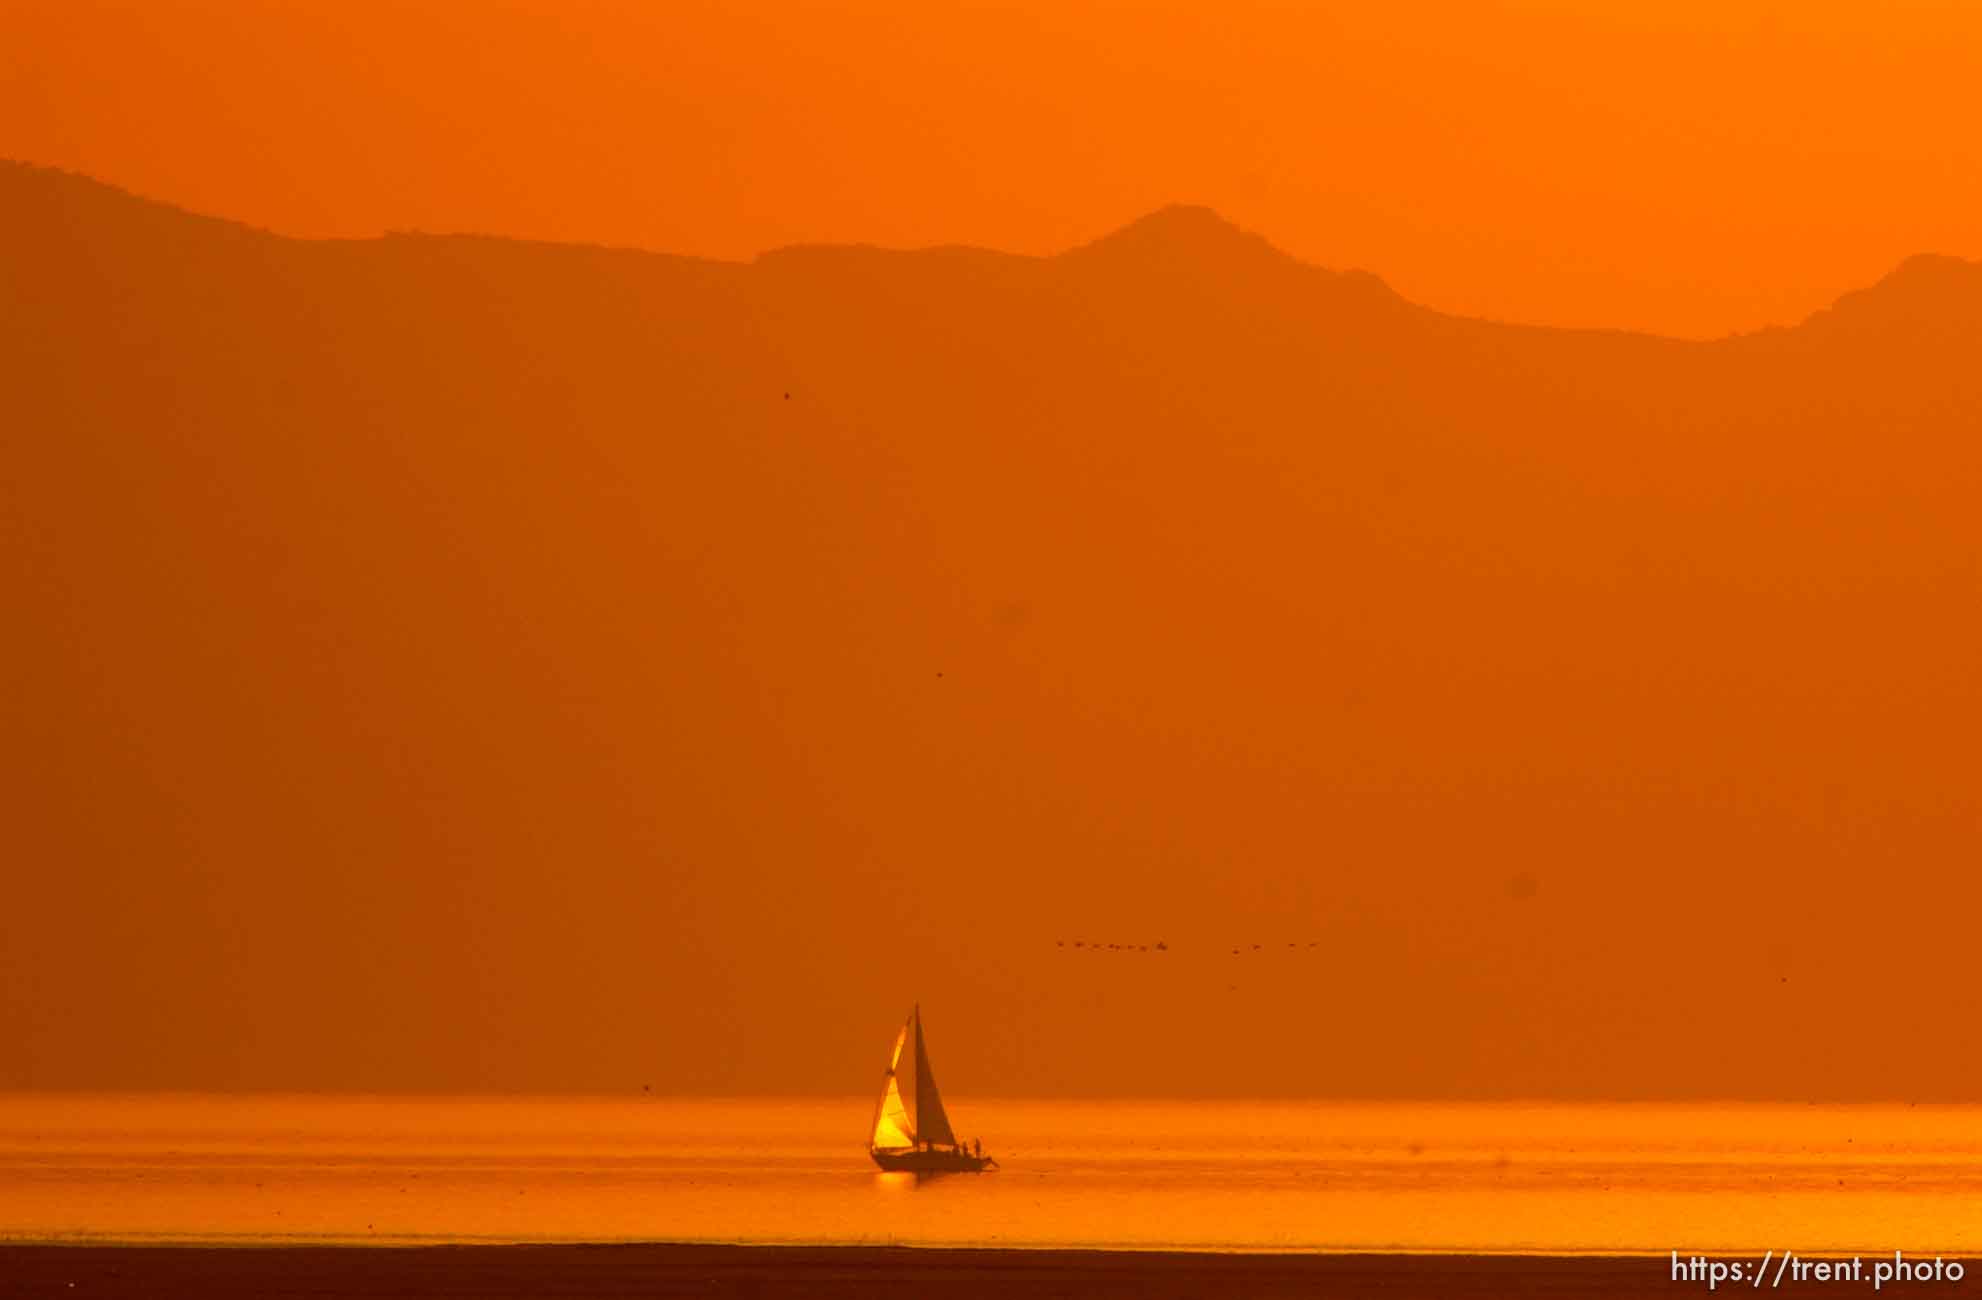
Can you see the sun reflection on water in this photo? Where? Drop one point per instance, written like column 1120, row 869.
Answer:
column 1214, row 1175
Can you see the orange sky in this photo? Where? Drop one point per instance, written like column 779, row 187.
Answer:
column 467, row 664
column 1686, row 167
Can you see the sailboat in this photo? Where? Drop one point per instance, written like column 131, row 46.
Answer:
column 911, row 1131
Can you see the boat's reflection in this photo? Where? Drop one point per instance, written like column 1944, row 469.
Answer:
column 898, row 1181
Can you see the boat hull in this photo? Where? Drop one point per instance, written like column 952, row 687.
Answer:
column 931, row 1162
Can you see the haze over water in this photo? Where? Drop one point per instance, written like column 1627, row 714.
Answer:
column 1192, row 1175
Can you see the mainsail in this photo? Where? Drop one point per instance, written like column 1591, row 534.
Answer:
column 910, row 1112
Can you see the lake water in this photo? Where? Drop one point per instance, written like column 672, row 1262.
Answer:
column 1211, row 1175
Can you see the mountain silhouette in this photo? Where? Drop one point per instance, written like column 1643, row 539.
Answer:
column 1191, row 240
column 1925, row 296
column 1180, row 235
column 431, row 622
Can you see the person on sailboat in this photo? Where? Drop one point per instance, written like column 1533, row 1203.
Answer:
column 977, row 1147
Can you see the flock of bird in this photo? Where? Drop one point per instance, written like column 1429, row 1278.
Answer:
column 1160, row 946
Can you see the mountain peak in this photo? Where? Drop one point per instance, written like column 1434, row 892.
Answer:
column 1181, row 230
column 1928, row 276
column 1926, row 291
column 1196, row 243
